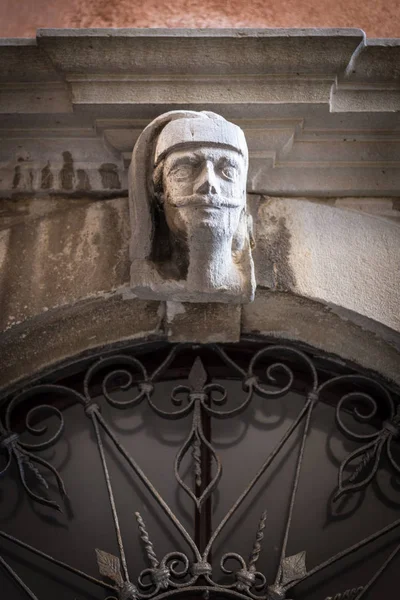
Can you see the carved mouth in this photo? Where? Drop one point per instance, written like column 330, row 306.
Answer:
column 205, row 202
column 208, row 206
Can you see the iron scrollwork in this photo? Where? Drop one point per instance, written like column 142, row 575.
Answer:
column 270, row 373
column 374, row 444
column 12, row 447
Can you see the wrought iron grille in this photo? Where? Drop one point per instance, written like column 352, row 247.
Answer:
column 210, row 388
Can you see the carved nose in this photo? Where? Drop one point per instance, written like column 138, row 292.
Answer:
column 206, row 182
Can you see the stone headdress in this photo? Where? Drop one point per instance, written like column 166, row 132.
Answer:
column 170, row 131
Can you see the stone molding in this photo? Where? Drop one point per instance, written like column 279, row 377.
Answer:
column 95, row 325
column 319, row 107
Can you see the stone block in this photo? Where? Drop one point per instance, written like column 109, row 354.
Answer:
column 338, row 256
column 202, row 323
column 22, row 60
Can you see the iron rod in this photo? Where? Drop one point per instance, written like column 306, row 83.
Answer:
column 345, row 553
column 378, row 573
column 110, row 496
column 295, row 488
column 57, row 562
column 18, row 579
column 150, row 487
column 252, row 483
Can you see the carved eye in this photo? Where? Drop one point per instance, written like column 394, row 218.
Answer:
column 229, row 171
column 181, row 172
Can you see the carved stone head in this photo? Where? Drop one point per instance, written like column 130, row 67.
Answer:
column 191, row 234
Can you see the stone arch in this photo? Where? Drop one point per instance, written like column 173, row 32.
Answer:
column 88, row 326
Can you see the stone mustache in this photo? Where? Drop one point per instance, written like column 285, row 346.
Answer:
column 191, row 233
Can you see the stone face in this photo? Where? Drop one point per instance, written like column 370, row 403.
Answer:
column 191, row 234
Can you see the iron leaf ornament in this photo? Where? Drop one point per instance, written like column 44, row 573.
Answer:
column 293, row 568
column 13, row 448
column 109, row 566
column 365, row 461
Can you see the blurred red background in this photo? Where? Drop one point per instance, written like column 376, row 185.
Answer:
column 378, row 18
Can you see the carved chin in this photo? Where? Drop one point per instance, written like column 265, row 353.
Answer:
column 214, row 220
column 207, row 217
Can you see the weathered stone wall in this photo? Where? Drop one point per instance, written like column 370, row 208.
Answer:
column 328, row 276
column 339, row 256
column 55, row 253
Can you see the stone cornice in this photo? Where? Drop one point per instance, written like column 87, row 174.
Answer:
column 320, row 108
column 198, row 52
